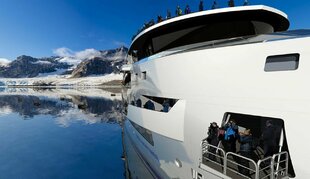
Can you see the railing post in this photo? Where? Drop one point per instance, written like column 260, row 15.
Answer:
column 257, row 169
column 225, row 164
column 286, row 163
column 280, row 161
column 201, row 156
column 272, row 169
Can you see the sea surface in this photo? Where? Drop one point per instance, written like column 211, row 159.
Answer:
column 56, row 133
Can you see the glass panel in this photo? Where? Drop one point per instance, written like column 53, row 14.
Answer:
column 282, row 62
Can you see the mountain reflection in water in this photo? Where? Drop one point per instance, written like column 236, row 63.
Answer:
column 58, row 133
column 65, row 106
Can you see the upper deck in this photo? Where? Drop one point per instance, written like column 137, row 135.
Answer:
column 208, row 25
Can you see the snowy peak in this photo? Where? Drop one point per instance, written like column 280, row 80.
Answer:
column 114, row 54
column 79, row 64
column 108, row 62
column 27, row 66
column 95, row 66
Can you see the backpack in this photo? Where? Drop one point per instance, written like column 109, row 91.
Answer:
column 221, row 133
column 230, row 132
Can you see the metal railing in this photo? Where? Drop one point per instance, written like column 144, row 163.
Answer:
column 213, row 154
column 231, row 163
column 235, row 165
column 280, row 159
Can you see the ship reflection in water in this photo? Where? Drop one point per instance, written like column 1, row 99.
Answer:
column 60, row 134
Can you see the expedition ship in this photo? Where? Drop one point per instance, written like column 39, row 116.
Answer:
column 236, row 63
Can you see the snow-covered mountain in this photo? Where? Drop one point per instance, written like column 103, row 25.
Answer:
column 89, row 62
column 108, row 62
column 28, row 67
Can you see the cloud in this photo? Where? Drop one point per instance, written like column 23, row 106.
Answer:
column 88, row 53
column 68, row 117
column 63, row 52
column 75, row 57
column 4, row 62
column 119, row 43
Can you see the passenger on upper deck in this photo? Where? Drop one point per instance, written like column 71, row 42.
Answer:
column 165, row 105
column 159, row 19
column 214, row 5
column 178, row 11
column 231, row 3
column 149, row 105
column 139, row 103
column 187, row 9
column 246, row 2
column 168, row 14
column 201, row 5
column 151, row 22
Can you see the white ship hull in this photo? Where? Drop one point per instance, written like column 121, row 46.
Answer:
column 209, row 84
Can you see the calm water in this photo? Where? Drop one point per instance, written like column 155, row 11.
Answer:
column 60, row 134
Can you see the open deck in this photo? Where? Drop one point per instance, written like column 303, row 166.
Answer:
column 229, row 164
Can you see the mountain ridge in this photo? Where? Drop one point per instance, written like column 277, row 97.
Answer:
column 105, row 62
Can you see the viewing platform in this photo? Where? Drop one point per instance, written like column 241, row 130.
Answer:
column 273, row 167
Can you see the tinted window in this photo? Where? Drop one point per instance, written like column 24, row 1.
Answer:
column 282, row 62
column 146, row 134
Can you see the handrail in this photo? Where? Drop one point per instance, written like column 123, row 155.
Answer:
column 278, row 156
column 216, row 152
column 271, row 167
column 258, row 170
column 237, row 164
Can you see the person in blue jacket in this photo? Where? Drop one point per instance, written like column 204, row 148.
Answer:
column 231, row 136
column 149, row 105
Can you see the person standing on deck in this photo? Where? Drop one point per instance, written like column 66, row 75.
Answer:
column 231, row 136
column 201, row 5
column 187, row 9
column 165, row 105
column 269, row 139
column 159, row 19
column 214, row 5
column 231, row 3
column 168, row 14
column 213, row 140
column 246, row 2
column 178, row 11
column 149, row 105
column 246, row 150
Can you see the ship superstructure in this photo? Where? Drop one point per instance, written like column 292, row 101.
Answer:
column 235, row 63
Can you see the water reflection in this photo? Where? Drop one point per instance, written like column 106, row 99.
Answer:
column 57, row 133
column 65, row 105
